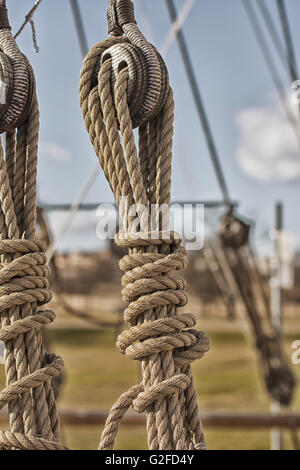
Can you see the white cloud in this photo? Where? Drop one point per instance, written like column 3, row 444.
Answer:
column 267, row 146
column 54, row 151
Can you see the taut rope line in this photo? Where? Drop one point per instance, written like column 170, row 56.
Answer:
column 124, row 84
column 23, row 272
column 29, row 19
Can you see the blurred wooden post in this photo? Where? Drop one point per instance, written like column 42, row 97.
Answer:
column 276, row 309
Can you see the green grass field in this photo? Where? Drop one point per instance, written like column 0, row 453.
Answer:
column 226, row 380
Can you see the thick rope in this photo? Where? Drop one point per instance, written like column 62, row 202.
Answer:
column 9, row 440
column 23, row 273
column 158, row 336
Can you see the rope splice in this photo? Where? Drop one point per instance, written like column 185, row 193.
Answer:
column 124, row 84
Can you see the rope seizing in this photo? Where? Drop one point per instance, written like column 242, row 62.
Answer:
column 124, row 84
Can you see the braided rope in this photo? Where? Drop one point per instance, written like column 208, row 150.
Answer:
column 23, row 273
column 158, row 336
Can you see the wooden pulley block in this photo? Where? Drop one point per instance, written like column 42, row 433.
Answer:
column 148, row 81
column 16, row 79
column 279, row 378
column 6, row 82
column 143, row 108
column 233, row 231
column 126, row 55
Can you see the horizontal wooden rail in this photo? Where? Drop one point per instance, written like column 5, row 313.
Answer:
column 78, row 417
column 94, row 206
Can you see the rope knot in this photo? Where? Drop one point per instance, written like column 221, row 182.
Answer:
column 150, row 283
column 52, row 367
column 168, row 387
column 23, row 283
column 24, row 279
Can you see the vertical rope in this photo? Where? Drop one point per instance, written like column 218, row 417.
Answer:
column 24, row 287
column 157, row 336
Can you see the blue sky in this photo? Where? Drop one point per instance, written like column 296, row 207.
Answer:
column 237, row 90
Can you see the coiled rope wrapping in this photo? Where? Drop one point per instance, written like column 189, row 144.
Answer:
column 23, row 272
column 158, row 336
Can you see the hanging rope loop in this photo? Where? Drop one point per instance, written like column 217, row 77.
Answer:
column 234, row 231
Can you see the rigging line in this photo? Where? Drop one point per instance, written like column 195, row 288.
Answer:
column 217, row 274
column 271, row 66
column 79, row 27
column 288, row 38
column 216, row 245
column 199, row 105
column 283, row 54
column 92, row 206
column 145, row 22
column 293, row 430
column 176, row 26
column 288, row 42
column 28, row 17
column 93, row 175
column 74, row 209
